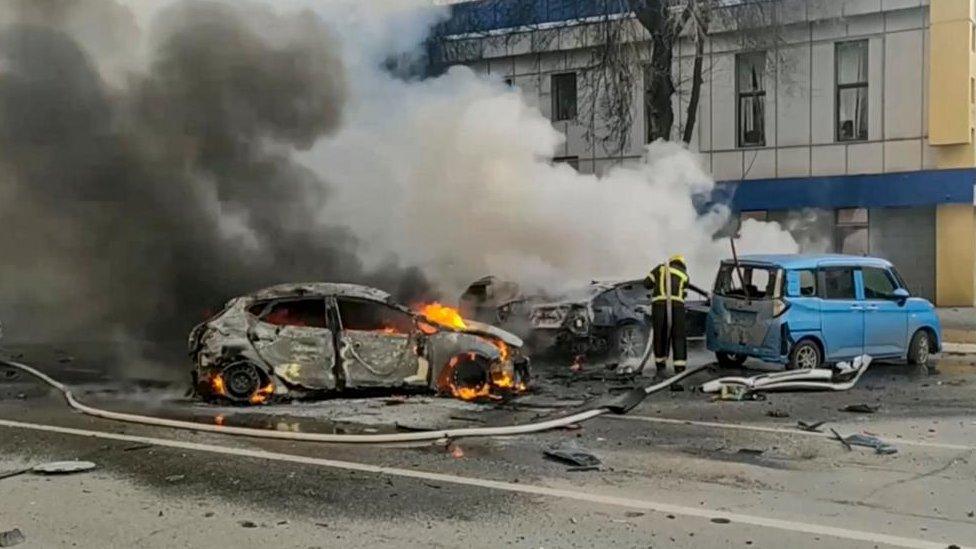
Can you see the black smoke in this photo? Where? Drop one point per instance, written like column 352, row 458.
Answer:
column 130, row 205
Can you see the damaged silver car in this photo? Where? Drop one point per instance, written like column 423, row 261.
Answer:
column 305, row 340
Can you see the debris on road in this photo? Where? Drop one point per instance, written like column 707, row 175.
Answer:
column 573, row 454
column 248, row 524
column 721, row 520
column 810, row 427
column 778, row 413
column 63, row 467
column 737, row 393
column 860, row 408
column 11, row 538
column 871, row 441
column 751, row 451
column 175, row 478
column 842, row 440
column 844, row 377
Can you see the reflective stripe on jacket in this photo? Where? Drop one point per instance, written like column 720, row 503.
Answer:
column 679, row 282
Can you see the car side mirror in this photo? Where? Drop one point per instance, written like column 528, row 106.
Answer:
column 901, row 294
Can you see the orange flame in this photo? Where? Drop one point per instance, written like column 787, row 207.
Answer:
column 217, row 385
column 444, row 315
column 261, row 396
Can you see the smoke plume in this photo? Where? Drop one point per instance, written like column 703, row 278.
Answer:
column 159, row 157
column 137, row 192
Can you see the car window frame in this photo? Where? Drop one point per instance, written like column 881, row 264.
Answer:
column 888, row 274
column 271, row 303
column 341, row 326
column 822, row 283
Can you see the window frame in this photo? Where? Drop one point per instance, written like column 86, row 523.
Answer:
column 816, row 282
column 822, row 281
column 845, row 227
column 341, row 324
column 554, row 92
column 888, row 275
column 739, row 95
column 270, row 304
column 838, row 88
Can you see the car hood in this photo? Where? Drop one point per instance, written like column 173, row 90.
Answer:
column 480, row 328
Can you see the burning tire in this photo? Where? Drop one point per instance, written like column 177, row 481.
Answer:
column 241, row 382
column 468, row 377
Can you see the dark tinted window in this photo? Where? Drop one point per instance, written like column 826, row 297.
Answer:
column 371, row 316
column 877, row 283
column 838, row 283
column 304, row 312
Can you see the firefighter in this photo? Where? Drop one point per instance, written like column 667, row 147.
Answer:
column 669, row 284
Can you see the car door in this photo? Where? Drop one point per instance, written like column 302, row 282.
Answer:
column 377, row 345
column 294, row 337
column 841, row 312
column 885, row 317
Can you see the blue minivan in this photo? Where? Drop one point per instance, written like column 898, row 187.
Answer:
column 807, row 310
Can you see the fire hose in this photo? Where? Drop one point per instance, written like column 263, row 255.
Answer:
column 618, row 405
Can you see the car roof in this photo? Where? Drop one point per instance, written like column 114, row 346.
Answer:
column 811, row 261
column 331, row 289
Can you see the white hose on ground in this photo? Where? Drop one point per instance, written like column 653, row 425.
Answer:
column 417, row 436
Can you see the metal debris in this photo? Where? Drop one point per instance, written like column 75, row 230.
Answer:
column 778, row 413
column 870, row 441
column 11, row 538
column 63, row 467
column 860, row 408
column 810, row 427
column 573, row 454
column 842, row 440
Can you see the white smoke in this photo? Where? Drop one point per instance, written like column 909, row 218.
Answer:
column 453, row 174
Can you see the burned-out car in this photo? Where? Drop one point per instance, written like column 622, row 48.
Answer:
column 300, row 340
column 603, row 318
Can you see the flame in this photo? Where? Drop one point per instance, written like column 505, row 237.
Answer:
column 444, row 315
column 471, row 393
column 217, row 385
column 261, row 396
column 219, row 420
column 502, row 349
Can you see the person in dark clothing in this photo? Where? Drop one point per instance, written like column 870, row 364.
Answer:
column 669, row 284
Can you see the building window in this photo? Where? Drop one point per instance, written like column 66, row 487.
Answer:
column 851, row 234
column 564, row 96
column 750, row 69
column 852, row 90
column 572, row 161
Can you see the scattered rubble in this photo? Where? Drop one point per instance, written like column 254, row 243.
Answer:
column 573, row 454
column 843, row 377
column 871, row 441
column 810, row 427
column 861, row 408
column 63, row 467
column 778, row 413
column 11, row 538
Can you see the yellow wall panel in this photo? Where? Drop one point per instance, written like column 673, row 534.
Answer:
column 955, row 257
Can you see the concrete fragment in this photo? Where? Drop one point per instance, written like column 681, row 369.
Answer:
column 11, row 538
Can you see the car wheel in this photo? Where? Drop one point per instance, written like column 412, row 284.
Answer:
column 919, row 350
column 805, row 355
column 629, row 342
column 242, row 380
column 730, row 360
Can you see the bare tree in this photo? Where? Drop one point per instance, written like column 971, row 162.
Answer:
column 629, row 42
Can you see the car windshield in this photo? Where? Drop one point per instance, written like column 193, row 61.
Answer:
column 760, row 281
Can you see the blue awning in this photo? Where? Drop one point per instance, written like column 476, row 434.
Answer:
column 903, row 189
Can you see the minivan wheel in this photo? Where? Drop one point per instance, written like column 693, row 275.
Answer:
column 730, row 360
column 919, row 349
column 805, row 356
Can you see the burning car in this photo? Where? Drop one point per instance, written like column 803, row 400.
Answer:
column 602, row 318
column 300, row 340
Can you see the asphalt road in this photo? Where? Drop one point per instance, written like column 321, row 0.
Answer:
column 679, row 471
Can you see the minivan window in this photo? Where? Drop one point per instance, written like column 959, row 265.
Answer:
column 808, row 283
column 877, row 283
column 838, row 283
column 760, row 282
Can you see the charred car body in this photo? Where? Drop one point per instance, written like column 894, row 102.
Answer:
column 603, row 318
column 300, row 340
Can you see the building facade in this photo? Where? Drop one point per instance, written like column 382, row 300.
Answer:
column 853, row 126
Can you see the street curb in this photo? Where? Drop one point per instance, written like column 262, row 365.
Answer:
column 958, row 348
